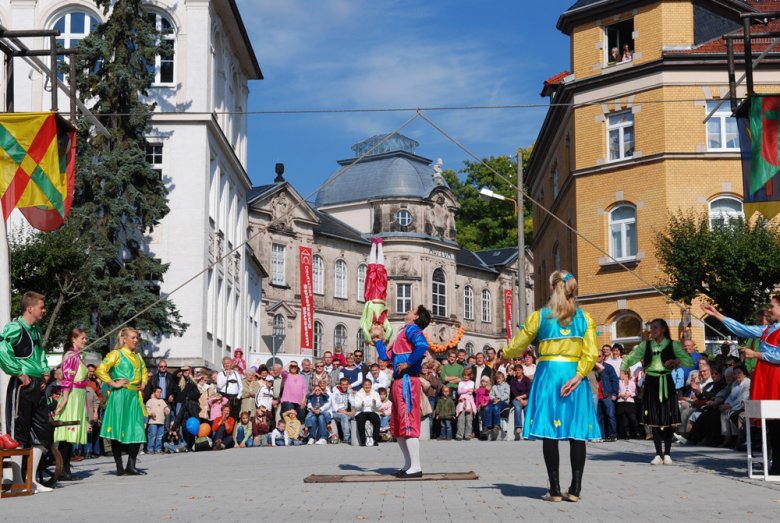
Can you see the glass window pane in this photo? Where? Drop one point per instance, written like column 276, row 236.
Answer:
column 732, row 135
column 726, row 205
column 59, row 25
column 631, row 239
column 624, row 212
column 628, row 142
column 166, row 71
column 77, row 22
column 614, row 144
column 617, row 242
column 713, row 133
column 628, row 327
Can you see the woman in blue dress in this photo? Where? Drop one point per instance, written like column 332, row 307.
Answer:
column 560, row 405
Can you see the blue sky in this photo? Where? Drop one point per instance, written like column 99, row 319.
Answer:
column 347, row 54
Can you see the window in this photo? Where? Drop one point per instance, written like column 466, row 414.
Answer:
column 439, row 293
column 361, row 341
column 277, row 264
column 468, row 303
column 622, row 228
column 725, row 210
column 469, row 348
column 619, row 42
column 557, row 257
column 361, row 281
column 340, row 336
column 403, row 297
column 163, row 62
column 554, row 177
column 722, row 134
column 403, row 217
column 73, row 28
column 620, row 135
column 278, row 330
column 318, row 337
column 318, row 273
column 627, row 330
column 340, row 290
column 154, row 156
column 487, row 306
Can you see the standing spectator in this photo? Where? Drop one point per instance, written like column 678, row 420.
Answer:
column 481, row 369
column 445, row 413
column 352, row 373
column 294, row 391
column 430, row 374
column 490, row 357
column 166, row 381
column 340, row 407
column 529, row 364
column 249, row 390
column 92, row 448
column 499, row 399
column 462, row 357
column 318, row 417
column 609, row 393
column 203, row 383
column 318, row 376
column 452, row 373
column 385, row 411
column 191, row 406
column 615, row 357
column 367, row 403
column 158, row 411
column 466, row 406
column 327, row 360
column 222, row 429
column 185, row 376
column 358, row 354
column 230, row 385
column 379, row 379
column 626, row 410
column 242, row 434
column 335, row 374
column 519, row 388
column 385, row 369
column 276, row 389
column 261, row 426
column 307, row 372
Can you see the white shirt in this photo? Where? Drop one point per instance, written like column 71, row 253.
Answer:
column 230, row 383
column 366, row 402
column 377, row 383
column 264, row 397
column 339, row 400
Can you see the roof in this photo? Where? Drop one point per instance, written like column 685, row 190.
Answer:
column 717, row 45
column 467, row 258
column 498, row 257
column 335, row 228
column 553, row 81
column 260, row 190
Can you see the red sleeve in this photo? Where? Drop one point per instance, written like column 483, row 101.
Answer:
column 215, row 424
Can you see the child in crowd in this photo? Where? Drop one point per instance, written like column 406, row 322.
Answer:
column 242, row 434
column 261, row 426
column 626, row 409
column 293, row 425
column 445, row 413
column 216, row 402
column 385, row 409
column 158, row 410
column 278, row 437
column 338, row 355
column 482, row 400
column 265, row 395
column 499, row 399
column 239, row 363
column 466, row 406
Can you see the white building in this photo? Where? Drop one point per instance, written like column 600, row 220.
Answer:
column 201, row 152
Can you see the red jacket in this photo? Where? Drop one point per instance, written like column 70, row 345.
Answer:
column 229, row 425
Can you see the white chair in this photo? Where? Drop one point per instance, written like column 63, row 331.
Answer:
column 763, row 410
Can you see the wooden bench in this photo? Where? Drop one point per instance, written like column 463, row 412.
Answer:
column 763, row 410
column 17, row 489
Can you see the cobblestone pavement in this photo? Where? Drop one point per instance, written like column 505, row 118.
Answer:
column 267, row 484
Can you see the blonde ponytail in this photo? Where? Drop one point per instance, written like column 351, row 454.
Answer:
column 563, row 303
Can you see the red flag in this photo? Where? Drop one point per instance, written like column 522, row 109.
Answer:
column 307, row 301
column 508, row 313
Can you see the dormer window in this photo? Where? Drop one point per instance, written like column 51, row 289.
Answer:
column 619, row 42
column 403, row 217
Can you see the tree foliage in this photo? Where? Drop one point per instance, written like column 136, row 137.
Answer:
column 488, row 224
column 732, row 264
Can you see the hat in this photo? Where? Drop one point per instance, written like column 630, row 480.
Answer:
column 238, row 351
column 269, row 378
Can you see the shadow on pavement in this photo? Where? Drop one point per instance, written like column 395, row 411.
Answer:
column 517, row 491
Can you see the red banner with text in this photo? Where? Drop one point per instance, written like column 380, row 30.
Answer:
column 307, row 302
column 508, row 313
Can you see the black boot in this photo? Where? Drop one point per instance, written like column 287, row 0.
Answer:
column 554, row 494
column 116, row 450
column 132, row 452
column 573, row 494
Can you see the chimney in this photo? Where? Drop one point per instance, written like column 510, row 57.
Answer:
column 279, row 173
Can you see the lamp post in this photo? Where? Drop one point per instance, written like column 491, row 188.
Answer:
column 487, row 194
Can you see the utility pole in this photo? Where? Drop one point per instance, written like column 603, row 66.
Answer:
column 521, row 305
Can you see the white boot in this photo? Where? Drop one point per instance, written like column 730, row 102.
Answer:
column 37, row 487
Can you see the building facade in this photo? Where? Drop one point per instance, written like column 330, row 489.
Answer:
column 626, row 145
column 198, row 143
column 395, row 194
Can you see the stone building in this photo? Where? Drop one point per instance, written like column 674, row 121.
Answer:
column 401, row 197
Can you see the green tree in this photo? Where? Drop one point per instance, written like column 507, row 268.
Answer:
column 732, row 264
column 489, row 224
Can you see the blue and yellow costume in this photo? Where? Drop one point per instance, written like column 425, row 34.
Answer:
column 563, row 352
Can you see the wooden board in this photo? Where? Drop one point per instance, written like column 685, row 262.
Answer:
column 372, row 478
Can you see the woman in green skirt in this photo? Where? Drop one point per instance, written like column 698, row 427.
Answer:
column 123, row 422
column 73, row 402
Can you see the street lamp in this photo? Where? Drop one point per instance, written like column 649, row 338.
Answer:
column 487, row 194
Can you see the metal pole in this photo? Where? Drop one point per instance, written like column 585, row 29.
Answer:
column 72, row 91
column 53, row 73
column 521, row 305
column 5, row 311
column 732, row 74
column 748, row 56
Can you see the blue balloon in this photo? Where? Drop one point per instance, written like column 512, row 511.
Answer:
column 192, row 426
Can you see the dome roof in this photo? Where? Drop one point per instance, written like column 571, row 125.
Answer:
column 397, row 172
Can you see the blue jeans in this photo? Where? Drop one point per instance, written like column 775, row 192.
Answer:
column 519, row 413
column 240, row 437
column 446, row 428
column 343, row 420
column 318, row 424
column 384, row 422
column 154, row 437
column 493, row 414
column 174, row 447
column 608, row 419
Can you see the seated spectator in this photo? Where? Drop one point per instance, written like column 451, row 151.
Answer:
column 626, row 409
column 519, row 388
column 261, row 426
column 704, row 422
column 222, row 430
column 172, row 443
column 733, row 406
column 445, row 413
column 158, row 412
column 379, row 379
column 366, row 402
column 482, row 398
column 466, row 407
column 242, row 434
column 293, row 427
column 352, row 373
column 318, row 416
column 340, row 408
column 498, row 401
column 529, row 364
column 385, row 411
column 318, row 376
column 278, row 436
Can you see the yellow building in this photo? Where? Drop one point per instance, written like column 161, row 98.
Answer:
column 625, row 144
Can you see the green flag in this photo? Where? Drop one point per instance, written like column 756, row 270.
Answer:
column 764, row 122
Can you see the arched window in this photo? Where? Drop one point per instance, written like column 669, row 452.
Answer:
column 163, row 62
column 361, row 342
column 725, row 210
column 340, row 336
column 361, row 281
column 468, row 303
column 278, row 330
column 469, row 348
column 73, row 27
column 622, row 232
column 340, row 289
column 318, row 338
column 318, row 274
column 439, row 293
column 627, row 330
column 487, row 306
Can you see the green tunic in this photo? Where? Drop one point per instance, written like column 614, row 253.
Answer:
column 75, row 410
column 35, row 365
column 124, row 416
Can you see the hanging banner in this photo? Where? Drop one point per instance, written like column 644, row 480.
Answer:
column 760, row 153
column 508, row 314
column 307, row 302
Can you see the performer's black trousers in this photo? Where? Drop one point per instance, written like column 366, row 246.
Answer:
column 28, row 413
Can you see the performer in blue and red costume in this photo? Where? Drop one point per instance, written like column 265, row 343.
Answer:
column 765, row 384
column 406, row 354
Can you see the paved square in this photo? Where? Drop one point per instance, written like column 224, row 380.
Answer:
column 267, row 484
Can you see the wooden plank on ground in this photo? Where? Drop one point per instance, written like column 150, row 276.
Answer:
column 373, row 478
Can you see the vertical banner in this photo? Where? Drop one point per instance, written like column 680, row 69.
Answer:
column 760, row 154
column 307, row 302
column 508, row 313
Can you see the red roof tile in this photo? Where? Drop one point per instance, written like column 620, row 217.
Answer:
column 718, row 45
column 557, row 79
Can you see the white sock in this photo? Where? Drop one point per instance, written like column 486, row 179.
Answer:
column 37, row 454
column 372, row 254
column 414, row 454
column 380, row 253
column 405, row 449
